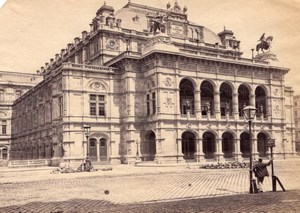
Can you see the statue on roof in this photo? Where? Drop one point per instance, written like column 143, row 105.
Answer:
column 265, row 43
column 157, row 23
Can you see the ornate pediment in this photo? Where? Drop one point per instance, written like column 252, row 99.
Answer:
column 97, row 86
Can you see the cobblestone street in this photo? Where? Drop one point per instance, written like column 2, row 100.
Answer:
column 147, row 189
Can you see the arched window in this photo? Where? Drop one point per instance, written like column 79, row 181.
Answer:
column 243, row 97
column 225, row 99
column 260, row 101
column 186, row 97
column 207, row 98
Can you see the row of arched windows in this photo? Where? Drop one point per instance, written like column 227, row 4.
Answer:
column 224, row 101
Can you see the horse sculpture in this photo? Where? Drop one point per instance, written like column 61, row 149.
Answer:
column 265, row 44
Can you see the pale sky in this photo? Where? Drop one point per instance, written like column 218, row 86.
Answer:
column 33, row 31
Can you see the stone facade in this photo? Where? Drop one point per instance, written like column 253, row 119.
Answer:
column 12, row 86
column 297, row 121
column 153, row 87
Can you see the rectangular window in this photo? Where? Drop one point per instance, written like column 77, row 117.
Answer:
column 93, row 109
column 97, row 105
column 4, row 125
column 153, row 103
column 148, row 104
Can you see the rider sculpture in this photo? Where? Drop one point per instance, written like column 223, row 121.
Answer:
column 265, row 43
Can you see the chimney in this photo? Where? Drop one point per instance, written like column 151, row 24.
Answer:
column 56, row 57
column 62, row 52
column 51, row 61
column 42, row 69
column 46, row 65
column 38, row 72
column 76, row 41
column 84, row 34
column 91, row 27
column 70, row 45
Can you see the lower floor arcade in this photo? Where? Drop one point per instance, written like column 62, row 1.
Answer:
column 151, row 146
column 209, row 147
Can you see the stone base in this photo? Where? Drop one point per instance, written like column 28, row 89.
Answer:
column 171, row 158
column 199, row 157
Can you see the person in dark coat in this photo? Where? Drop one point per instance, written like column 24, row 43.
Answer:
column 261, row 171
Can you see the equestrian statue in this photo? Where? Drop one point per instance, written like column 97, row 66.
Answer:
column 265, row 43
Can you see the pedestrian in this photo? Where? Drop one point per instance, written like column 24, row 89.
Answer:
column 260, row 170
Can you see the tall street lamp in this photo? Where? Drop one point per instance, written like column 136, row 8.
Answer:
column 249, row 115
column 87, row 129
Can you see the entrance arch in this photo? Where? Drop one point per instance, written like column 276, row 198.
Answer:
column 245, row 144
column 148, row 147
column 188, row 145
column 262, row 144
column 209, row 145
column 227, row 144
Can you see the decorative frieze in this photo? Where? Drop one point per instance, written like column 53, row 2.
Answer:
column 185, row 66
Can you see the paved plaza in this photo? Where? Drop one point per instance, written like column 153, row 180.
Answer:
column 147, row 189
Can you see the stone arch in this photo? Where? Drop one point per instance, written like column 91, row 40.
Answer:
column 3, row 114
column 99, row 143
column 209, row 144
column 207, row 89
column 97, row 85
column 245, row 144
column 186, row 93
column 226, row 94
column 228, row 139
column 244, row 91
column 188, row 144
column 261, row 94
column 262, row 141
column 148, row 146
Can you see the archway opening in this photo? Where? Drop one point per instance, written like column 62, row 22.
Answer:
column 245, row 144
column 207, row 98
column 262, row 144
column 227, row 144
column 148, row 147
column 188, row 145
column 225, row 99
column 209, row 145
column 186, row 97
column 243, row 98
column 260, row 101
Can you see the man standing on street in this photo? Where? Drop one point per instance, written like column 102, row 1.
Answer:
column 260, row 171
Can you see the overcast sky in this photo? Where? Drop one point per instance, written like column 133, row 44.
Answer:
column 33, row 31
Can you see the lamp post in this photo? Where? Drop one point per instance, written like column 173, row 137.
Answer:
column 87, row 129
column 249, row 115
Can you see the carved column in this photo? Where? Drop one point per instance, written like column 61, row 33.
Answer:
column 237, row 150
column 252, row 99
column 197, row 103
column 255, row 153
column 235, row 105
column 179, row 150
column 219, row 153
column 199, row 154
column 217, row 110
column 98, row 150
